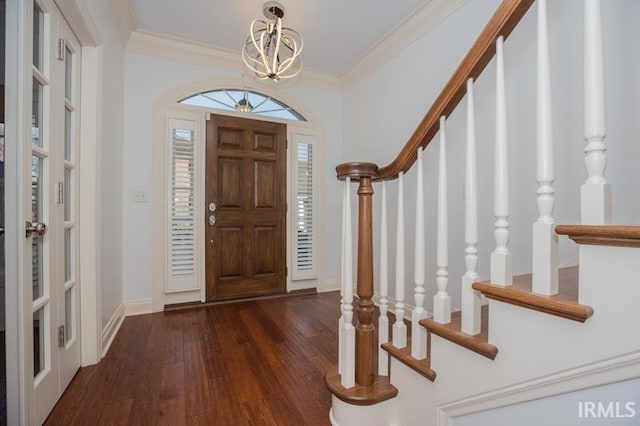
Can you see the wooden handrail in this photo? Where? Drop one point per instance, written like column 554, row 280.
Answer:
column 503, row 21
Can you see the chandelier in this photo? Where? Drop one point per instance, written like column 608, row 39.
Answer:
column 271, row 50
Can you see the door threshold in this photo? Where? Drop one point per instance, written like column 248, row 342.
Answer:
column 305, row 293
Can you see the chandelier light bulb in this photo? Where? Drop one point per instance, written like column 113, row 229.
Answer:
column 272, row 51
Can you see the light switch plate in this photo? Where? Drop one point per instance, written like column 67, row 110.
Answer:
column 140, row 197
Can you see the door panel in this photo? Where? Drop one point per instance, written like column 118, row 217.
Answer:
column 230, row 183
column 246, row 179
column 266, row 188
column 231, row 259
column 264, row 255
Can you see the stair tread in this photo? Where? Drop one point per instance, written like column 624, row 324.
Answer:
column 564, row 304
column 452, row 331
column 422, row 366
column 603, row 235
column 380, row 390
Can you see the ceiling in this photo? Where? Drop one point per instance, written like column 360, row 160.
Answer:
column 336, row 32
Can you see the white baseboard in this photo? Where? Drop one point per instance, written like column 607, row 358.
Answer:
column 126, row 309
column 111, row 329
column 574, row 261
column 137, row 307
column 329, row 285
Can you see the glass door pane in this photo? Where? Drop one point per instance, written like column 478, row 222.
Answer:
column 36, row 216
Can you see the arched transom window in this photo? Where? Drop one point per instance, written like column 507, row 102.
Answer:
column 245, row 101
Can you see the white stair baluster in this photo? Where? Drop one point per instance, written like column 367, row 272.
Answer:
column 545, row 240
column 341, row 352
column 349, row 362
column 442, row 300
column 470, row 298
column 419, row 333
column 399, row 327
column 595, row 194
column 501, row 273
column 383, row 321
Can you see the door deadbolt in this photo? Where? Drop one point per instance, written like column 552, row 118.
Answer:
column 212, row 207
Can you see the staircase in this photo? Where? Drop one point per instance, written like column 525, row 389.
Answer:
column 517, row 338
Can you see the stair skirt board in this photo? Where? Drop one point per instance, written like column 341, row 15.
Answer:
column 613, row 370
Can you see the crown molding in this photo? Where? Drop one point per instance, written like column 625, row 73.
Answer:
column 193, row 52
column 125, row 18
column 420, row 22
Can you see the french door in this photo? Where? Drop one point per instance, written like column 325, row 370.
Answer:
column 50, row 262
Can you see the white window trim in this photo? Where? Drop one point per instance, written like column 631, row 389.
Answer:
column 312, row 140
column 168, row 108
column 189, row 282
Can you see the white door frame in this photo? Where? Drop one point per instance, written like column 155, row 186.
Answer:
column 17, row 130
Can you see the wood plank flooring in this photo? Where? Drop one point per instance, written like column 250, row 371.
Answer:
column 249, row 363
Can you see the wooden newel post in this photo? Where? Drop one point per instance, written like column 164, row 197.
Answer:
column 365, row 331
column 366, row 352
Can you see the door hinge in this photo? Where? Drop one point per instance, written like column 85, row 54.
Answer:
column 286, row 143
column 60, row 194
column 61, row 336
column 61, row 49
column 286, row 271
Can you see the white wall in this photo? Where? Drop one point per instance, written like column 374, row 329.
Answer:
column 149, row 78
column 383, row 110
column 111, row 158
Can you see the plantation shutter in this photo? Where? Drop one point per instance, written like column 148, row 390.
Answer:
column 181, row 204
column 306, row 204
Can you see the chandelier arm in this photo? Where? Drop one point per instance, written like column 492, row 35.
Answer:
column 259, row 49
column 252, row 64
column 287, row 63
column 274, row 67
column 297, row 34
column 262, row 52
column 255, row 65
column 284, row 66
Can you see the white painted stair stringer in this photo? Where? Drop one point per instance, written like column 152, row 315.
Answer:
column 533, row 348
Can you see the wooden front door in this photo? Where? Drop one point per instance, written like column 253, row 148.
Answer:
column 246, row 208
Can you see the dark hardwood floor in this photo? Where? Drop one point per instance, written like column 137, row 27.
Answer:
column 249, row 363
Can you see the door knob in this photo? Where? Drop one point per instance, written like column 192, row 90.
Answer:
column 212, row 220
column 37, row 228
